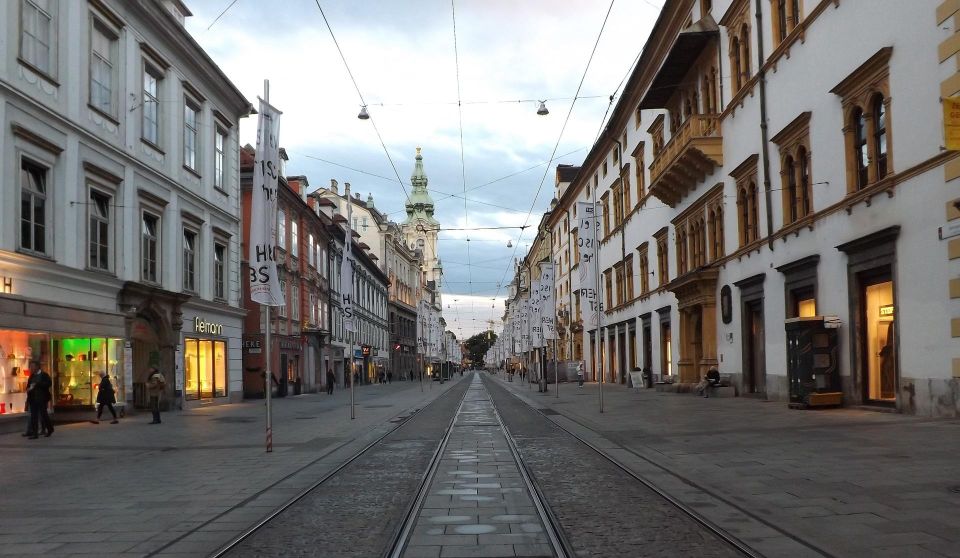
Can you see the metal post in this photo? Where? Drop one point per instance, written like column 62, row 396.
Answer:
column 353, row 412
column 556, row 368
column 596, row 264
column 267, row 353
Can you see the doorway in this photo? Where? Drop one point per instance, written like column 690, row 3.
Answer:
column 754, row 363
column 878, row 339
column 622, row 372
column 647, row 345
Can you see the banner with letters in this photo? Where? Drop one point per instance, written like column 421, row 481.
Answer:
column 587, row 244
column 264, row 279
column 548, row 310
column 346, row 269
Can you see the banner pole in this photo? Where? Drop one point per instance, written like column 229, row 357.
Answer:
column 267, row 352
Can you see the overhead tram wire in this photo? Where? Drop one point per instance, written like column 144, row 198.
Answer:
column 359, row 94
column 463, row 166
column 557, row 145
column 225, row 10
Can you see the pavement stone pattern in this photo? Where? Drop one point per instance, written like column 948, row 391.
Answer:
column 189, row 485
column 602, row 511
column 357, row 511
column 478, row 504
column 849, row 482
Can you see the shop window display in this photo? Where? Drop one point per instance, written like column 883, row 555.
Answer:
column 78, row 363
column 17, row 350
column 205, row 369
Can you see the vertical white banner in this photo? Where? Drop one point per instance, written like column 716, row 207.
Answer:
column 587, row 243
column 525, row 324
column 264, row 280
column 548, row 312
column 346, row 268
column 517, row 327
column 536, row 321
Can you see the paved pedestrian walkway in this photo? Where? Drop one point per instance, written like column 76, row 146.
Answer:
column 135, row 489
column 477, row 505
column 850, row 482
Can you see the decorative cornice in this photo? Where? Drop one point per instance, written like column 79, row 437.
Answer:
column 107, row 13
column 37, row 140
column 101, row 173
column 868, row 72
column 745, row 169
column 790, row 132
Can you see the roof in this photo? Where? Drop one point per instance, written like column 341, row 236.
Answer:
column 566, row 173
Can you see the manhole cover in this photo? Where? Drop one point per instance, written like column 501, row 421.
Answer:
column 549, row 412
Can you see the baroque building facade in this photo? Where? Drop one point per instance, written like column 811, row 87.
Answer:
column 744, row 186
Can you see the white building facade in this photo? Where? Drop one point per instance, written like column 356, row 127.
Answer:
column 764, row 170
column 120, row 247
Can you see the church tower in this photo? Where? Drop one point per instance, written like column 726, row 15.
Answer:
column 420, row 228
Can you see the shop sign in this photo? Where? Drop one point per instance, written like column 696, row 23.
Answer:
column 886, row 311
column 252, row 347
column 358, row 353
column 951, row 123
column 366, row 350
column 202, row 326
column 289, row 345
column 178, row 363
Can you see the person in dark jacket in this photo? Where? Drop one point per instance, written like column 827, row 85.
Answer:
column 710, row 381
column 38, row 398
column 106, row 397
column 331, row 379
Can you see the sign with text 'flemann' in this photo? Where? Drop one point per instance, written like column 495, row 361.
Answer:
column 264, row 280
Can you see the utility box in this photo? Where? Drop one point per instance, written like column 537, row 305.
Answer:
column 813, row 370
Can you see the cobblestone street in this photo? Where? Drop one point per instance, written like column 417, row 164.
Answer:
column 133, row 489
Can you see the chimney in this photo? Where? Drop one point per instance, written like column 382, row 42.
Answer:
column 333, row 186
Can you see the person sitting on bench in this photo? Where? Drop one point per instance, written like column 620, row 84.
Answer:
column 710, row 381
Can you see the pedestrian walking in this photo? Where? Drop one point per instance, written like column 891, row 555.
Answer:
column 331, row 379
column 106, row 397
column 580, row 375
column 389, row 377
column 38, row 398
column 155, row 386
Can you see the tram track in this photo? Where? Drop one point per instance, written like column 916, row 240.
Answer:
column 557, row 539
column 236, row 545
column 733, row 542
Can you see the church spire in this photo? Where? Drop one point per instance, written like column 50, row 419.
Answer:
column 419, row 203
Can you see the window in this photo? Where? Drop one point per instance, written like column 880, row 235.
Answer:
column 281, row 229
column 781, row 20
column 794, row 142
column 644, row 269
column 628, row 275
column 880, row 135
column 311, row 254
column 149, row 254
column 865, row 97
column 617, row 205
column 364, row 225
column 189, row 260
column 295, row 301
column 616, row 154
column 605, row 168
column 621, row 288
column 219, row 169
column 294, row 238
column 786, row 18
column 190, row 126
column 605, row 200
column 681, row 246
column 219, row 271
column 286, row 299
column 715, row 224
column 745, row 176
column 608, row 287
column 103, row 55
column 790, row 179
column 99, row 232
column 33, row 207
column 205, row 369
column 37, row 35
column 663, row 263
column 151, row 105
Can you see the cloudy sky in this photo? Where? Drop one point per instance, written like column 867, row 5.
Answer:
column 401, row 53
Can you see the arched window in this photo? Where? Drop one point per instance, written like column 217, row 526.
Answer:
column 791, row 176
column 805, row 187
column 782, row 19
column 745, row 56
column 880, row 134
column 752, row 206
column 744, row 209
column 859, row 123
column 735, row 63
column 718, row 249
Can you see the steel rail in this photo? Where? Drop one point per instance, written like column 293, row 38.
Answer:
column 233, row 543
column 399, row 540
column 733, row 541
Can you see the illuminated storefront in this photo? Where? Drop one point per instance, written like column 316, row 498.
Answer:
column 74, row 364
column 205, row 369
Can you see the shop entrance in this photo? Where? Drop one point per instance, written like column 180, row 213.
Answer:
column 622, row 372
column 754, row 365
column 146, row 354
column 647, row 345
column 878, row 339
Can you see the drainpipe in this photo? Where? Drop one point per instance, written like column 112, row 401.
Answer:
column 764, row 133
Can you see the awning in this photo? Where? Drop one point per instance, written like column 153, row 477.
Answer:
column 687, row 48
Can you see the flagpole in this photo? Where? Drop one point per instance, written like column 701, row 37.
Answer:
column 347, row 242
column 267, row 352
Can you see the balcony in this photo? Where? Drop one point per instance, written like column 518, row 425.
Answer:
column 692, row 154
